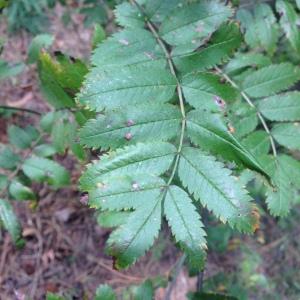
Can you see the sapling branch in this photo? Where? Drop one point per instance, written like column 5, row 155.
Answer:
column 177, row 270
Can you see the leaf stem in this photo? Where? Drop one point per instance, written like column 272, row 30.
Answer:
column 179, row 265
column 172, row 68
column 248, row 100
column 20, row 109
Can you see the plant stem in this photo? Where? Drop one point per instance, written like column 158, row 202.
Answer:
column 177, row 270
column 20, row 109
column 172, row 68
column 248, row 100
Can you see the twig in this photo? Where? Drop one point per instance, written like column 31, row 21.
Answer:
column 200, row 281
column 248, row 100
column 178, row 268
column 30, row 111
column 119, row 274
column 3, row 257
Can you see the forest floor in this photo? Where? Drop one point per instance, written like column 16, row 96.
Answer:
column 64, row 249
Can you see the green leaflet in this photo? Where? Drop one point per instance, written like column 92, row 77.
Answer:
column 8, row 159
column 289, row 21
column 37, row 44
column 129, row 47
column 247, row 21
column 222, row 44
column 202, row 90
column 21, row 192
column 266, row 27
column 60, row 79
column 44, row 150
column 287, row 135
column 51, row 296
column 243, row 60
column 153, row 158
column 128, row 15
column 261, row 28
column 214, row 186
column 284, row 107
column 244, row 118
column 107, row 89
column 43, row 169
column 22, row 138
column 137, row 235
column 210, row 133
column 279, row 197
column 63, row 133
column 129, row 125
column 291, row 168
column 49, row 85
column 185, row 223
column 98, row 35
column 3, row 182
column 7, row 70
column 144, row 291
column 257, row 142
column 105, row 292
column 125, row 192
column 9, row 220
column 190, row 24
column 270, row 80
